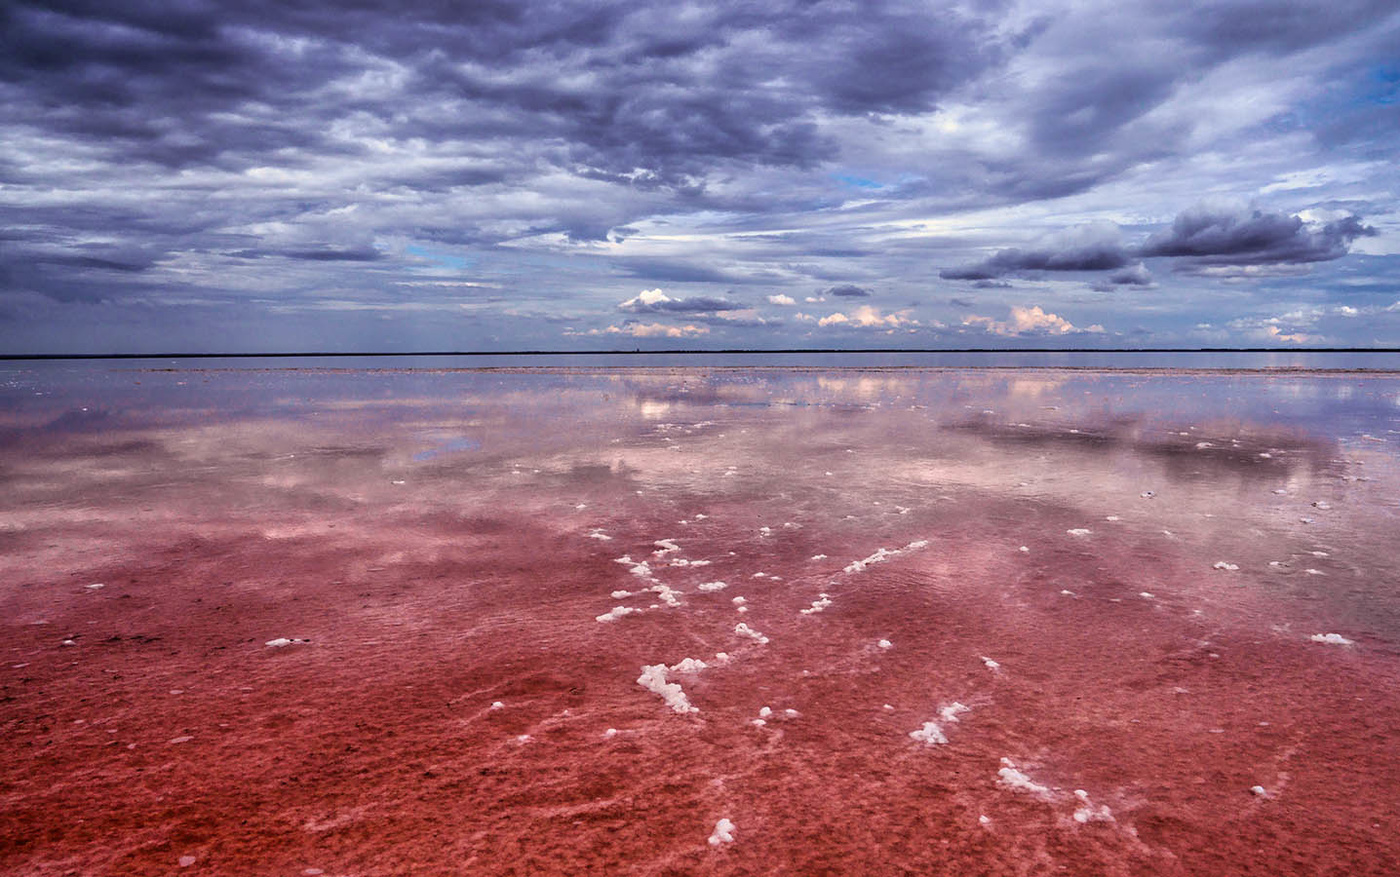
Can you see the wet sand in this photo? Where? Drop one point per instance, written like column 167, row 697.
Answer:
column 348, row 623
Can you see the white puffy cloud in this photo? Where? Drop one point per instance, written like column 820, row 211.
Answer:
column 1029, row 321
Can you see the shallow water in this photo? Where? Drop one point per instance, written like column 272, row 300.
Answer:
column 1096, row 581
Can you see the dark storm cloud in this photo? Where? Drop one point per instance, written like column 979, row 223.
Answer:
column 1201, row 236
column 1093, row 257
column 1210, row 236
column 848, row 290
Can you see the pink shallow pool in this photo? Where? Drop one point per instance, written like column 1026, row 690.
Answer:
column 694, row 621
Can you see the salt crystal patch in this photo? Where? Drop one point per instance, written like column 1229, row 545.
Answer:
column 600, row 535
column 744, row 630
column 738, row 601
column 1017, row 781
column 176, row 740
column 930, row 733
column 1260, row 791
column 620, row 595
column 818, row 605
column 653, row 679
column 1146, row 595
column 95, row 586
column 617, row 612
column 712, row 586
column 522, row 739
column 497, row 705
column 689, row 665
column 1024, row 549
column 885, row 644
column 983, row 820
column 1113, row 518
column 765, row 712
column 1335, row 639
column 1087, row 812
column 1220, row 564
column 991, row 665
column 723, row 833
column 611, row 732
column 791, row 713
column 819, row 557
column 1079, row 531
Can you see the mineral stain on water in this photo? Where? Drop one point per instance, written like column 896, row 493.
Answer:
column 715, row 620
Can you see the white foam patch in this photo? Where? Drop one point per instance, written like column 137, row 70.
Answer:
column 1087, row 812
column 1335, row 639
column 681, row 561
column 617, row 612
column 818, row 605
column 689, row 665
column 621, row 595
column 883, row 554
column 738, row 601
column 712, row 586
column 723, row 833
column 1080, row 532
column 1229, row 567
column 819, row 557
column 653, row 679
column 1013, row 779
column 664, row 547
column 599, row 535
column 744, row 630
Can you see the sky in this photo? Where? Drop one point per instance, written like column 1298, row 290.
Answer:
column 517, row 175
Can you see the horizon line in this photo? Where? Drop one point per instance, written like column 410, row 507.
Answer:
column 20, row 357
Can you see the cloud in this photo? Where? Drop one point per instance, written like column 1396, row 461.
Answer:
column 1243, row 236
column 1087, row 248
column 1029, row 321
column 849, row 290
column 781, row 300
column 868, row 317
column 654, row 301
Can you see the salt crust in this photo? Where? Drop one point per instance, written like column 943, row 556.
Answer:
column 723, row 833
column 1335, row 639
column 883, row 554
column 744, row 630
column 653, row 679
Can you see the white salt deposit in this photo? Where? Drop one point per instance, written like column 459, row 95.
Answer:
column 522, row 739
column 611, row 732
column 1146, row 595
column 497, row 705
column 758, row 723
column 619, row 594
column 653, row 679
column 759, row 575
column 1259, row 791
column 723, row 833
column 599, row 534
column 765, row 531
column 791, row 713
column 95, row 586
column 1220, row 564
column 1113, row 518
column 668, row 595
column 681, row 561
column 1314, row 572
column 744, row 630
column 991, row 665
column 689, row 665
column 983, row 820
column 1017, row 781
column 282, row 641
column 617, row 612
column 819, row 557
column 1024, row 549
column 765, row 712
column 885, row 644
column 883, row 554
column 664, row 547
column 738, row 601
column 1087, row 812
column 1335, row 639
column 930, row 734
column 1079, row 531
column 712, row 586
column 823, row 600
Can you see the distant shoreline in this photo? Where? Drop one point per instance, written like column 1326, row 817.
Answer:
column 21, row 357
